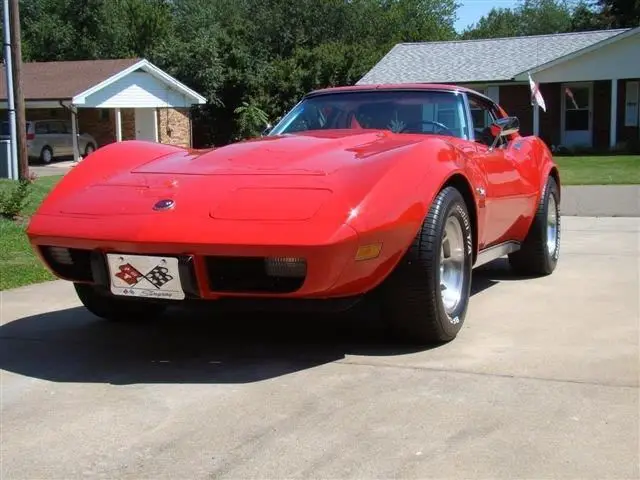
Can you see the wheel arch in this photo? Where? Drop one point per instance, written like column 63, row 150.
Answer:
column 462, row 184
column 555, row 174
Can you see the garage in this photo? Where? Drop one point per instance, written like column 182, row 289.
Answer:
column 76, row 106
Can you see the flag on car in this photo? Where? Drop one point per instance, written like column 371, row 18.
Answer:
column 536, row 96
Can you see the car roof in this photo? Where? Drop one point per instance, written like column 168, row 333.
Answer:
column 397, row 87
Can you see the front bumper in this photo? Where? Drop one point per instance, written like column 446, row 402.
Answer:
column 225, row 269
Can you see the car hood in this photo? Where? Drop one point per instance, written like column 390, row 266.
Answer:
column 288, row 178
column 300, row 154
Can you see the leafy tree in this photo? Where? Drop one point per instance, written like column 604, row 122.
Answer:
column 530, row 17
column 251, row 120
column 244, row 56
column 620, row 13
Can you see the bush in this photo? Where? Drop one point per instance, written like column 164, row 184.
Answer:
column 13, row 200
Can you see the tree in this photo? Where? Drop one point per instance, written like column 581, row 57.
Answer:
column 530, row 17
column 620, row 13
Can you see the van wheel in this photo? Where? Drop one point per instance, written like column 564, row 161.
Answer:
column 89, row 149
column 46, row 155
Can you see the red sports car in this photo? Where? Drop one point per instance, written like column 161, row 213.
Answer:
column 391, row 191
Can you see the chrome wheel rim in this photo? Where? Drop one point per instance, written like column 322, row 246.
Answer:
column 552, row 225
column 451, row 264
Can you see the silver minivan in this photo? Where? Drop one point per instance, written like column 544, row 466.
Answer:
column 49, row 139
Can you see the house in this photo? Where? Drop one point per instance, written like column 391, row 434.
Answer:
column 590, row 81
column 112, row 100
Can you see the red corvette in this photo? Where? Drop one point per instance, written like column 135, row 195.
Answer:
column 392, row 191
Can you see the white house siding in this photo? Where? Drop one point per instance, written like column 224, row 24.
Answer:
column 617, row 60
column 139, row 90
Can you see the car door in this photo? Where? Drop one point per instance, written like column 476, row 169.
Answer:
column 504, row 199
column 60, row 138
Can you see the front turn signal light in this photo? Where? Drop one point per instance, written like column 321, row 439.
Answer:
column 367, row 252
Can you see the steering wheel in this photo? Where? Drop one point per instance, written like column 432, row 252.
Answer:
column 441, row 126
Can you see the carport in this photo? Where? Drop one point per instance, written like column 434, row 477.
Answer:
column 128, row 99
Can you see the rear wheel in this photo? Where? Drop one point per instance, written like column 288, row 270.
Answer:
column 425, row 299
column 112, row 308
column 541, row 248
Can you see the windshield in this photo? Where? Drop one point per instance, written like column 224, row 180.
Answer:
column 423, row 111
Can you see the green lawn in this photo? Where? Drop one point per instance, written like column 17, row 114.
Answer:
column 599, row 170
column 18, row 264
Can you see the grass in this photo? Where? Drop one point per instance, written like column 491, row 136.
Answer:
column 600, row 170
column 18, row 263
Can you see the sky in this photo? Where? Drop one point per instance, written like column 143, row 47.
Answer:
column 471, row 10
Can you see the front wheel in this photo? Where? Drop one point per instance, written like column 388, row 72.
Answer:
column 426, row 297
column 541, row 248
column 109, row 307
column 89, row 149
column 46, row 155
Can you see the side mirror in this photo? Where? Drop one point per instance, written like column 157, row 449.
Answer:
column 503, row 127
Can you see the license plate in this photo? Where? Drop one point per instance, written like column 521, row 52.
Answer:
column 145, row 276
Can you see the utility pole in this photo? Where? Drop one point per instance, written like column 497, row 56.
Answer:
column 16, row 57
column 11, row 110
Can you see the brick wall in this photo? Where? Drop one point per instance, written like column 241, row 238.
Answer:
column 174, row 126
column 550, row 121
column 97, row 123
column 516, row 101
column 601, row 116
column 128, row 117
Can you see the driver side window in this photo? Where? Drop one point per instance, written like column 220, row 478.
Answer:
column 483, row 116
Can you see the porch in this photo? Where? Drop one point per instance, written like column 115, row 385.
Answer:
column 599, row 114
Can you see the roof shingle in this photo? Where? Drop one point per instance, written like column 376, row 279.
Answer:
column 498, row 59
column 63, row 80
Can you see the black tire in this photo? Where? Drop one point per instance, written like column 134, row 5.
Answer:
column 104, row 305
column 43, row 155
column 89, row 149
column 534, row 257
column 411, row 297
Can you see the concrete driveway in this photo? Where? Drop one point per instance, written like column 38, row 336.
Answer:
column 541, row 383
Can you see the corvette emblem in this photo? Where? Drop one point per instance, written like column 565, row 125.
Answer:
column 165, row 204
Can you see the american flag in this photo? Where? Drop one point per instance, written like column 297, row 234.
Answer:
column 536, row 96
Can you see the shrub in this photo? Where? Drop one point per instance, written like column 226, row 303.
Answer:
column 12, row 200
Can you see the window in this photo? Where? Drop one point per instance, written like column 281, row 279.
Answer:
column 631, row 104
column 56, row 127
column 577, row 108
column 483, row 114
column 42, row 128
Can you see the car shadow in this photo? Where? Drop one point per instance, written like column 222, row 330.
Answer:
column 196, row 345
